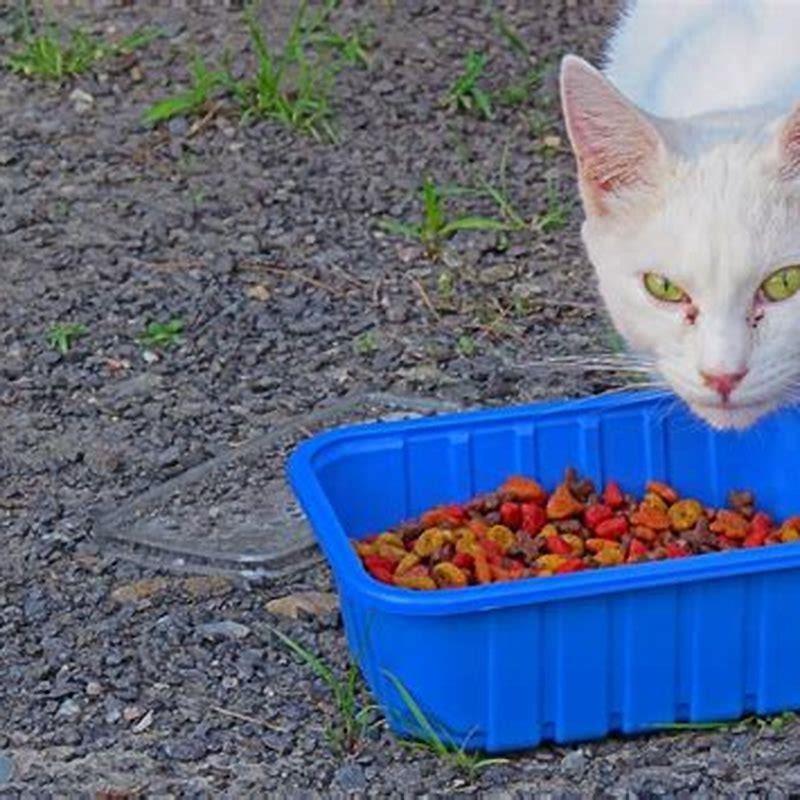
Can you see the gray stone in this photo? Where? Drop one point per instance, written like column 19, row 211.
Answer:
column 225, row 629
column 6, row 768
column 350, row 778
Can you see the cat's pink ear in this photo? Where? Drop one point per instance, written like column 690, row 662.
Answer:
column 617, row 147
column 790, row 145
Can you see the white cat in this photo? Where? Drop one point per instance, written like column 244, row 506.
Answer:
column 689, row 171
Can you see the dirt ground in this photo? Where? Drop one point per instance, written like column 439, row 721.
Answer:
column 265, row 243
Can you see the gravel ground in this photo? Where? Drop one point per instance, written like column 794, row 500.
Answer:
column 120, row 679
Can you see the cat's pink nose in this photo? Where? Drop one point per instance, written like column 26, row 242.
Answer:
column 723, row 383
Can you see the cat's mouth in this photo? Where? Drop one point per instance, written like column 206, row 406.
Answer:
column 731, row 413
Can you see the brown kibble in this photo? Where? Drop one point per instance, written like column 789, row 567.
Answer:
column 562, row 504
column 684, row 514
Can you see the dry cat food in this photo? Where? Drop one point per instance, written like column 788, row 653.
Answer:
column 522, row 531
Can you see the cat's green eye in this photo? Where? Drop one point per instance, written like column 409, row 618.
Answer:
column 782, row 284
column 663, row 288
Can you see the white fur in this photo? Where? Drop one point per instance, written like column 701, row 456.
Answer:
column 716, row 207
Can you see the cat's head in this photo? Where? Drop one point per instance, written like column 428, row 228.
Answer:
column 693, row 227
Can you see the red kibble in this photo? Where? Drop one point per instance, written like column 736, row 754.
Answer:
column 572, row 565
column 555, row 544
column 380, row 568
column 614, row 528
column 597, row 513
column 463, row 560
column 676, row 550
column 534, row 518
column 511, row 515
column 444, row 515
column 612, row 496
column 636, row 549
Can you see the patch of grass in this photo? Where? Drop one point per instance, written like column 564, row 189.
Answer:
column 365, row 344
column 556, row 213
column 467, row 761
column 353, row 719
column 436, row 227
column 521, row 91
column 352, row 47
column 206, row 84
column 291, row 84
column 539, row 123
column 63, row 335
column 49, row 52
column 160, row 335
column 465, row 94
column 466, row 346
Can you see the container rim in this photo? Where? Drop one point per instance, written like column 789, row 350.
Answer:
column 353, row 578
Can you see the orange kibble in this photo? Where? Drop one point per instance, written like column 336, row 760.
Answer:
column 789, row 534
column 446, row 574
column 651, row 517
column 731, row 524
column 365, row 548
column 482, row 572
column 575, row 543
column 550, row 562
column 501, row 536
column 684, row 514
column 548, row 530
column 608, row 556
column 562, row 504
column 663, row 490
column 597, row 545
column 523, row 490
column 392, row 539
column 478, row 526
column 644, row 533
column 653, row 500
column 390, row 551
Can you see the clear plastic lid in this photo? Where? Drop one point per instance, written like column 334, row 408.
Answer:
column 235, row 514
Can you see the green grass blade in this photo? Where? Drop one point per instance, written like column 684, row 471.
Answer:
column 175, row 106
column 318, row 667
column 482, row 102
column 430, row 735
column 400, row 228
column 474, row 224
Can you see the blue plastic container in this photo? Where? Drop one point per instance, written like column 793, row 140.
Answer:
column 574, row 657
